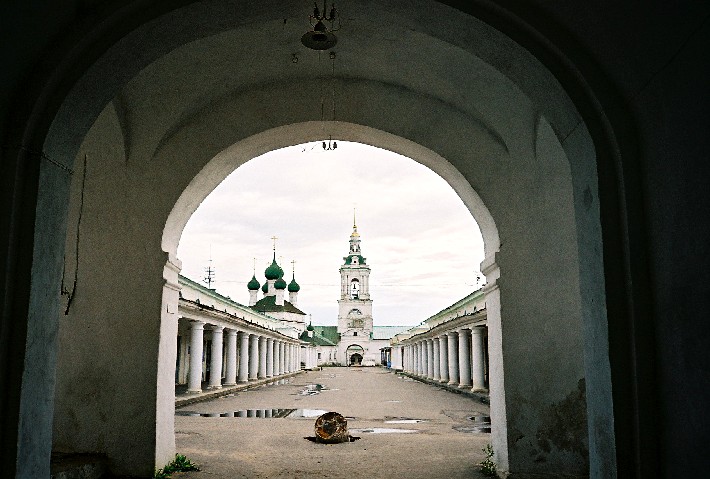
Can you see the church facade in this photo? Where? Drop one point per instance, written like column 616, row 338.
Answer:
column 355, row 341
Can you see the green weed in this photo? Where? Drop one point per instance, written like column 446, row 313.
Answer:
column 488, row 467
column 179, row 464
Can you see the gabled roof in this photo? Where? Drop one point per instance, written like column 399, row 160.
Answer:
column 328, row 332
column 268, row 304
column 388, row 332
column 322, row 336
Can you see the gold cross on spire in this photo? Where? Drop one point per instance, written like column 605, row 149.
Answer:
column 274, row 238
column 293, row 267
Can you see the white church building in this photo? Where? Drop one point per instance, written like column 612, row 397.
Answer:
column 355, row 340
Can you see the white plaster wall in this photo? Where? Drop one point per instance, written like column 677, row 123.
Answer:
column 155, row 161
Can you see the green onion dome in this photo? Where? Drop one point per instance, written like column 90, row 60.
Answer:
column 310, row 327
column 253, row 285
column 265, row 288
column 274, row 271
column 293, row 286
column 280, row 284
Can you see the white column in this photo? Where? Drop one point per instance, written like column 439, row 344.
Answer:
column 416, row 358
column 262, row 357
column 253, row 357
column 443, row 358
column 243, row 357
column 453, row 347
column 269, row 358
column 278, row 369
column 216, row 362
column 411, row 358
column 231, row 372
column 287, row 358
column 282, row 358
column 477, row 360
column 422, row 358
column 277, row 358
column 437, row 359
column 464, row 358
column 194, row 377
column 430, row 358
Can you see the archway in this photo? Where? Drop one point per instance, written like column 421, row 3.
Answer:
column 488, row 151
column 354, row 355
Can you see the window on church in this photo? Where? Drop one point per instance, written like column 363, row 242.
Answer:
column 318, row 355
column 355, row 333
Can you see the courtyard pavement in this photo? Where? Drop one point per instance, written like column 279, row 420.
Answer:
column 266, row 437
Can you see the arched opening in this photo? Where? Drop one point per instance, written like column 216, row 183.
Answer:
column 513, row 159
column 354, row 355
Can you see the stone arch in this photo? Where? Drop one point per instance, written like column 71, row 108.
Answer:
column 61, row 142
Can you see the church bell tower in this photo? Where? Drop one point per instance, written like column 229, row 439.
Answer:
column 354, row 305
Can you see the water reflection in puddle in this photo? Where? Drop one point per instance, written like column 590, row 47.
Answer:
column 312, row 389
column 383, row 430
column 481, row 425
column 258, row 413
column 403, row 420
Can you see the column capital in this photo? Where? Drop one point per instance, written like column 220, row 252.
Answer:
column 194, row 324
column 452, row 333
column 231, row 332
column 477, row 330
column 217, row 328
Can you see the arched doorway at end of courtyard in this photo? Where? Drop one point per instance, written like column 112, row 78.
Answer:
column 354, row 355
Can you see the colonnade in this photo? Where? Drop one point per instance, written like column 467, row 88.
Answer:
column 455, row 357
column 242, row 355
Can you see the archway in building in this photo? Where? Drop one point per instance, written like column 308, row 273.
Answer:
column 519, row 156
column 354, row 355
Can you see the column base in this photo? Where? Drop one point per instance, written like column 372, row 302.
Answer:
column 479, row 390
column 229, row 384
column 464, row 386
column 194, row 391
column 242, row 381
column 452, row 383
column 214, row 387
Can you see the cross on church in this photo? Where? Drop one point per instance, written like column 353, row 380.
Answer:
column 293, row 266
column 274, row 238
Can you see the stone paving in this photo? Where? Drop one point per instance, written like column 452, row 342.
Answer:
column 261, row 432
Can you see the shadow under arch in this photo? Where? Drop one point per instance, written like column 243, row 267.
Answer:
column 167, row 249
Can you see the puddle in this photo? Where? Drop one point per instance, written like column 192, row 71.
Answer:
column 258, row 413
column 307, row 413
column 314, row 439
column 473, row 429
column 403, row 420
column 393, row 400
column 384, row 430
column 481, row 418
column 481, row 425
column 312, row 390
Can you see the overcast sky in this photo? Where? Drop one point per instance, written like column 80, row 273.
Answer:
column 422, row 244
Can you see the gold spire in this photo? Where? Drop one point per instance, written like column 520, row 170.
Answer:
column 355, row 233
